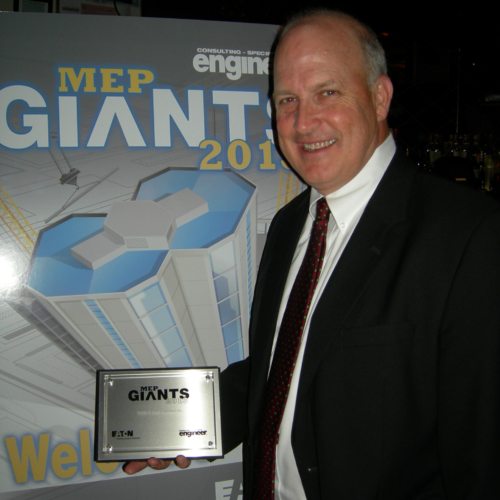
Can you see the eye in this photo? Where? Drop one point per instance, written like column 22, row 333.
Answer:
column 329, row 92
column 287, row 100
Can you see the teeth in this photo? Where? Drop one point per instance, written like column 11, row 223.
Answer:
column 319, row 145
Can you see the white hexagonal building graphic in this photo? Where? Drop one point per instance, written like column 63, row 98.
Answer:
column 163, row 280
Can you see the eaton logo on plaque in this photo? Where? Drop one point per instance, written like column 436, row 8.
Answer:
column 157, row 413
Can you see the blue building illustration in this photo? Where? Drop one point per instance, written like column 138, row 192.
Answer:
column 162, row 280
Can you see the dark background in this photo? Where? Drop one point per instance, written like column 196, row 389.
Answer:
column 443, row 59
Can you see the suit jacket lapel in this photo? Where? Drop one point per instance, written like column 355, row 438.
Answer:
column 273, row 273
column 377, row 230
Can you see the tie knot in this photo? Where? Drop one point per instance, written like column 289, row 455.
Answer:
column 322, row 210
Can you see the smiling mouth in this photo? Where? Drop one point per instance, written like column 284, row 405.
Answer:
column 318, row 145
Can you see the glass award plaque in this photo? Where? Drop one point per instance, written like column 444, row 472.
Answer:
column 157, row 413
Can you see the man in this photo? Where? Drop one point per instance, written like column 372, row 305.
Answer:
column 395, row 390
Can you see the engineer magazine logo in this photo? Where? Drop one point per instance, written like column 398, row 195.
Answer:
column 199, row 432
column 232, row 62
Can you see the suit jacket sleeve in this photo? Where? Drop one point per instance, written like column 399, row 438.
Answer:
column 469, row 370
column 234, row 395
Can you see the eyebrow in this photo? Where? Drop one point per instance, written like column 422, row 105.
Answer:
column 321, row 85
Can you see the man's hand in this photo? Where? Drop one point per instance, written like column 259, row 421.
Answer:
column 155, row 463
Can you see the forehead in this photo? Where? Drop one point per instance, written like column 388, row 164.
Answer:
column 321, row 44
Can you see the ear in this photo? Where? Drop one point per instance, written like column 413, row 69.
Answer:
column 383, row 95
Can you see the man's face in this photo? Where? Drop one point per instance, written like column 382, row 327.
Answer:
column 329, row 122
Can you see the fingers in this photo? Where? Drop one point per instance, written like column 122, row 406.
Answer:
column 158, row 464
column 182, row 462
column 155, row 463
column 134, row 467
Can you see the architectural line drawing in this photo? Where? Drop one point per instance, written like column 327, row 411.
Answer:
column 79, row 194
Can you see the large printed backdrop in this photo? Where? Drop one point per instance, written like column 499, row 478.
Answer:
column 138, row 175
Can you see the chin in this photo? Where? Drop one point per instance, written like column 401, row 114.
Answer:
column 317, row 174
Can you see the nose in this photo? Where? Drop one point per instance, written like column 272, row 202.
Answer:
column 307, row 118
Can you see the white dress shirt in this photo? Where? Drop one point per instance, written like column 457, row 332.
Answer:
column 346, row 206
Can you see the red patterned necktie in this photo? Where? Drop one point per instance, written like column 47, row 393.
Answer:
column 285, row 354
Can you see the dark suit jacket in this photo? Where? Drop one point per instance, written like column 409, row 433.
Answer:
column 399, row 394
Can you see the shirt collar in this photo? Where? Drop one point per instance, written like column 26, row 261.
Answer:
column 347, row 201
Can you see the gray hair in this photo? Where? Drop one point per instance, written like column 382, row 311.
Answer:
column 373, row 53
